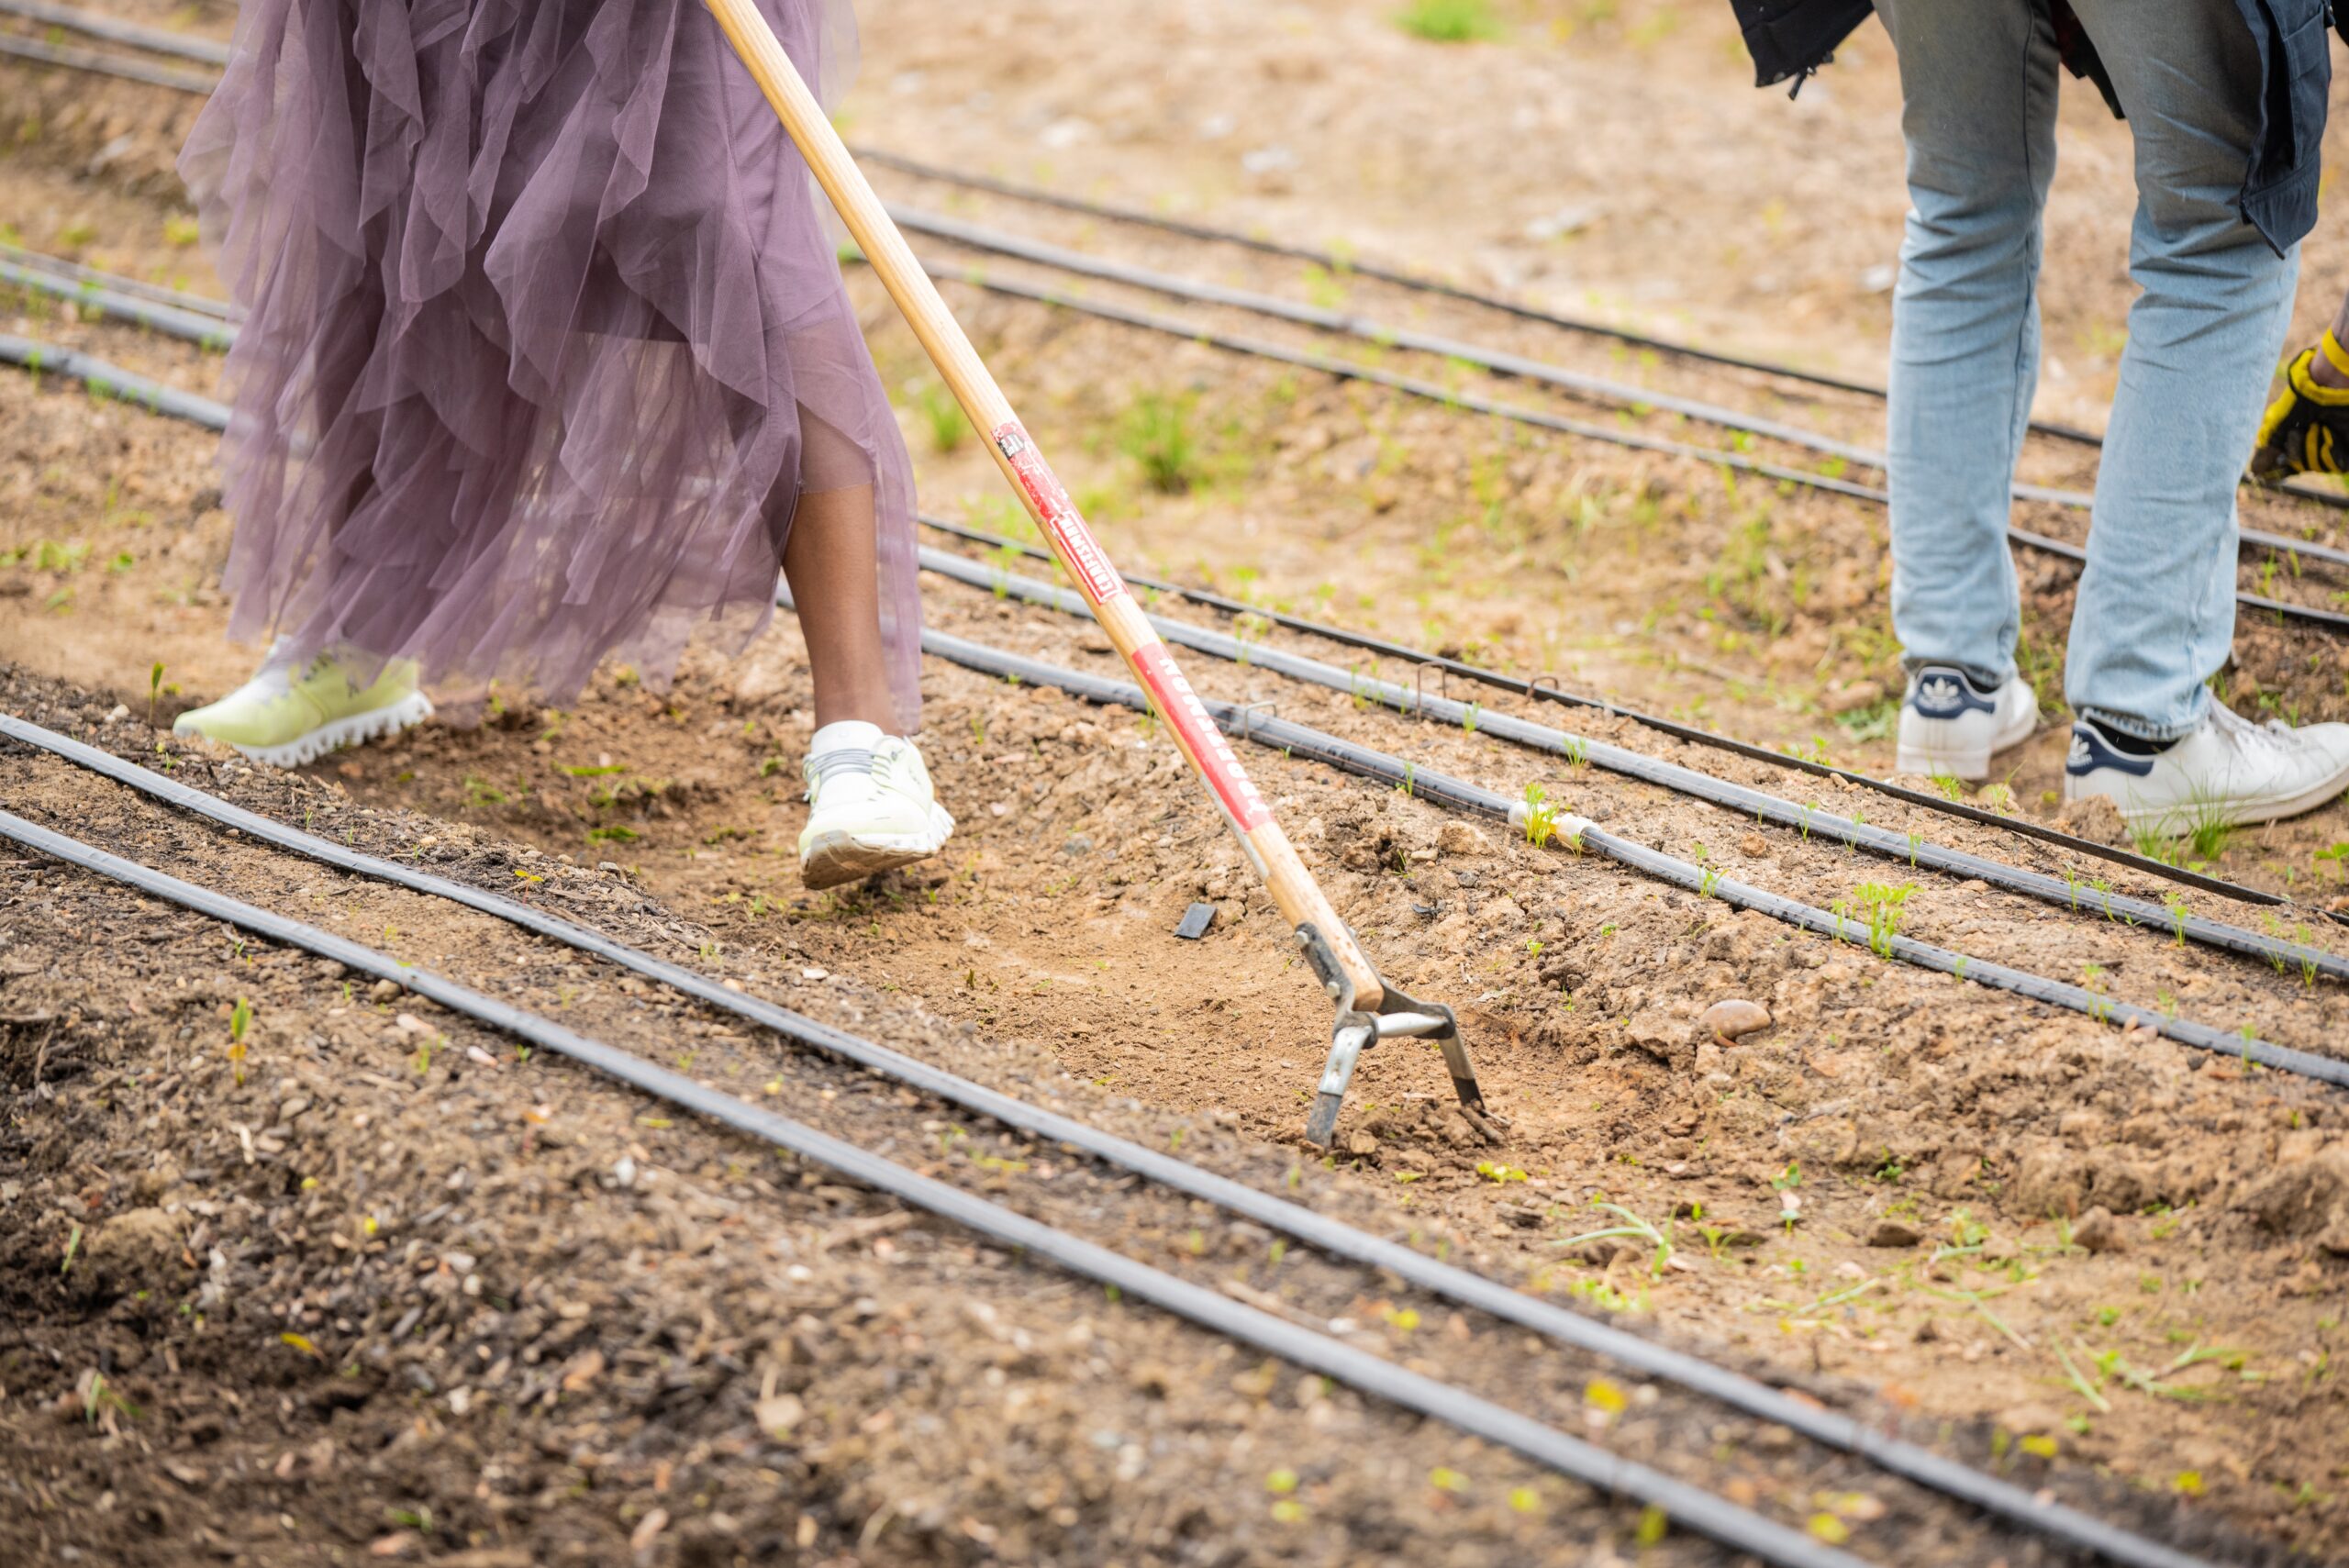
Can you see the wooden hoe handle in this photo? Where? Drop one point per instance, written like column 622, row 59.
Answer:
column 1301, row 899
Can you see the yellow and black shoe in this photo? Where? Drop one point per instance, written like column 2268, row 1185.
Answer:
column 2306, row 430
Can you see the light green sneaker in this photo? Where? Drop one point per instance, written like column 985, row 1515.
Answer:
column 286, row 717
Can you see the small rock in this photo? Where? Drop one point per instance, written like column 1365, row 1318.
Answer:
column 1733, row 1018
column 1754, row 846
column 1361, row 1143
column 383, row 991
column 1892, row 1233
column 2096, row 1232
column 1461, row 839
column 779, row 1416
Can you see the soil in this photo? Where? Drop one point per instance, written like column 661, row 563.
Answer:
column 2019, row 1230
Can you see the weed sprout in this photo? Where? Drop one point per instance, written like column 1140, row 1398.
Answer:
column 1884, row 905
column 241, row 1018
column 1541, row 820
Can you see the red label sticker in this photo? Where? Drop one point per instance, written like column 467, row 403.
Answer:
column 1095, row 575
column 1181, row 708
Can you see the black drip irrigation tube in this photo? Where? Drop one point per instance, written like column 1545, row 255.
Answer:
column 1061, row 259
column 111, row 298
column 166, row 322
column 1918, row 851
column 1338, row 1239
column 113, row 29
column 1250, row 724
column 1516, row 366
column 1547, row 688
column 112, row 382
column 114, row 284
column 44, row 53
column 1716, row 1518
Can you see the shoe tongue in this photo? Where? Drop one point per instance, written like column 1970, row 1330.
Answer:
column 849, row 787
column 845, row 735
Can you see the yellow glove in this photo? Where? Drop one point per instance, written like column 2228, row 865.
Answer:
column 2307, row 429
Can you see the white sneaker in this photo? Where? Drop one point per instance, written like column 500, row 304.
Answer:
column 1949, row 725
column 872, row 810
column 2228, row 772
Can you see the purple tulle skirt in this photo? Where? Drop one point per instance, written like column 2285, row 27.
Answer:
column 546, row 336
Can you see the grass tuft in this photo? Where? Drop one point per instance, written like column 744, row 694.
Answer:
column 1449, row 21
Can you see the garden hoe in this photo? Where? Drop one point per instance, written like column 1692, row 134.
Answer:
column 1368, row 1008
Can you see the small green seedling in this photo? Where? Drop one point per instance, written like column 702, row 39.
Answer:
column 241, row 1018
column 1541, row 820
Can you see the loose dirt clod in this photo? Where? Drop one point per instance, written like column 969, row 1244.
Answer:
column 1893, row 1233
column 136, row 1248
column 2096, row 1232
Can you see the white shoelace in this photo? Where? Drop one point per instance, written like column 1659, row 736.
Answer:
column 2274, row 737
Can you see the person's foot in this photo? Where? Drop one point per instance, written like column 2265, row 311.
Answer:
column 1949, row 726
column 287, row 715
column 2230, row 771
column 871, row 807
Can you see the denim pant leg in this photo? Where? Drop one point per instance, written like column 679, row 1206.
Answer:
column 2155, row 613
column 1978, row 87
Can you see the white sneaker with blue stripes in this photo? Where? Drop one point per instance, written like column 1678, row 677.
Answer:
column 1952, row 727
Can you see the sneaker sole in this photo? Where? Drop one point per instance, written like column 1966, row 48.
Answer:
column 360, row 728
column 1973, row 767
column 2177, row 821
column 835, row 859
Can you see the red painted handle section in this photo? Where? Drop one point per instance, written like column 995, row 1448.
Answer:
column 1180, row 707
column 1095, row 578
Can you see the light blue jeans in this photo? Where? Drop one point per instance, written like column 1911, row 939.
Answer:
column 2155, row 614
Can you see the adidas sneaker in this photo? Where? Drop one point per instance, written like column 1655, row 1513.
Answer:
column 1949, row 725
column 2229, row 770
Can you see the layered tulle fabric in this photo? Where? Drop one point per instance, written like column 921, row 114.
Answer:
column 546, row 336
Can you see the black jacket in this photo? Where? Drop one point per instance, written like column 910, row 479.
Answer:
column 1794, row 38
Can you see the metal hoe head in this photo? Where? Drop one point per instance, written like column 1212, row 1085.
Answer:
column 1356, row 1030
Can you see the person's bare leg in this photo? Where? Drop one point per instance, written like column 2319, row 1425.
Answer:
column 834, row 565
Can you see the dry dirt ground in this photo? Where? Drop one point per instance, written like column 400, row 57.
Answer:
column 2044, row 1234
